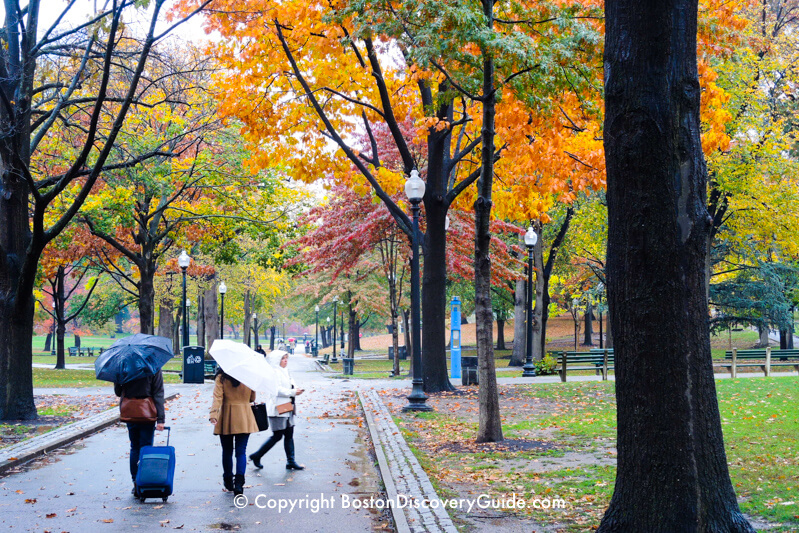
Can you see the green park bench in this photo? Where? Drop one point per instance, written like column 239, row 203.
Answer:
column 599, row 360
column 74, row 351
column 764, row 358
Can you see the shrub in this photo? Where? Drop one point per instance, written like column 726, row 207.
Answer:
column 546, row 365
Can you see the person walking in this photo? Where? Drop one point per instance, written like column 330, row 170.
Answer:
column 150, row 389
column 281, row 422
column 233, row 421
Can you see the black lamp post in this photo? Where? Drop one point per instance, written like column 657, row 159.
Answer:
column 530, row 238
column 222, row 291
column 335, row 331
column 184, row 261
column 315, row 348
column 414, row 189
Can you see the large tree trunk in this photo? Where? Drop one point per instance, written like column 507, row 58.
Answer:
column 406, row 320
column 588, row 334
column 166, row 323
column 541, row 288
column 764, row 340
column 434, row 274
column 147, row 300
column 247, row 316
column 60, row 313
column 519, row 331
column 489, row 421
column 672, row 468
column 271, row 338
column 211, row 316
column 501, row 334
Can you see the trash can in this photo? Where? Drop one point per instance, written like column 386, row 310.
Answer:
column 349, row 365
column 403, row 353
column 193, row 368
column 469, row 371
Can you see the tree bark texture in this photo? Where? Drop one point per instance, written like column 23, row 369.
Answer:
column 166, row 323
column 519, row 332
column 211, row 316
column 672, row 468
column 764, row 340
column 588, row 334
column 489, row 421
column 501, row 334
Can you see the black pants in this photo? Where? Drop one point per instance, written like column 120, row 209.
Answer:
column 288, row 443
column 140, row 434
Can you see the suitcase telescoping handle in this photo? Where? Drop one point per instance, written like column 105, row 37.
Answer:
column 168, row 431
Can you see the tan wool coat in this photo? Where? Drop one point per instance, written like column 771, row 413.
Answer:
column 231, row 408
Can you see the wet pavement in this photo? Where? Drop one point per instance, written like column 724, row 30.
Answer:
column 86, row 487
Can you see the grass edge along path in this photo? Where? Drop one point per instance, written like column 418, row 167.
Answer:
column 573, row 426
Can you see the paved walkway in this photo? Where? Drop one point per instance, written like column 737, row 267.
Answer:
column 86, row 486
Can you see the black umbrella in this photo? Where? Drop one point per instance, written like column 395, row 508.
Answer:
column 133, row 357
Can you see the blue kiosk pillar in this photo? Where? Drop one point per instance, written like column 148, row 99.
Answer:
column 455, row 338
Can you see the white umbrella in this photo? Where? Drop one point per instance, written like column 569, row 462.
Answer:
column 277, row 353
column 246, row 365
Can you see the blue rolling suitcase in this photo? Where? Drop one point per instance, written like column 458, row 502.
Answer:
column 156, row 474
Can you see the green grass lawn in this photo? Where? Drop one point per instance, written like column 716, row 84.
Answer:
column 48, row 377
column 760, row 419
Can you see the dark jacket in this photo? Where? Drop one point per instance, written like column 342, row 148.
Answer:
column 144, row 387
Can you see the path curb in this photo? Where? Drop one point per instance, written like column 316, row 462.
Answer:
column 402, row 474
column 30, row 449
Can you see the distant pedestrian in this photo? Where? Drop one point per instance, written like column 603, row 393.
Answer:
column 260, row 350
column 233, row 422
column 141, row 433
column 281, row 423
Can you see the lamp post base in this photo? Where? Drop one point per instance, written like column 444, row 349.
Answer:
column 528, row 370
column 417, row 401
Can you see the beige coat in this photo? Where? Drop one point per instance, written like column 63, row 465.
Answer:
column 231, row 408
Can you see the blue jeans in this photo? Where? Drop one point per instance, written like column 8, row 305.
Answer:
column 140, row 434
column 239, row 442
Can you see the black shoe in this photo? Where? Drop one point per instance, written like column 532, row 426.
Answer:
column 256, row 461
column 294, row 466
column 133, row 490
column 227, row 481
column 238, row 485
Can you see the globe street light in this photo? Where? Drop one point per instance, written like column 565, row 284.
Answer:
column 222, row 291
column 530, row 238
column 414, row 190
column 184, row 261
column 315, row 349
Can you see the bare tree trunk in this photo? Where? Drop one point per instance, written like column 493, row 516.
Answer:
column 165, row 320
column 672, row 470
column 247, row 317
column 406, row 319
column 501, row 334
column 540, row 309
column 764, row 340
column 588, row 338
column 200, row 319
column 489, row 421
column 211, row 316
column 519, row 331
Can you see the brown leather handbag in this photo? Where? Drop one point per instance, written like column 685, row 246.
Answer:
column 138, row 410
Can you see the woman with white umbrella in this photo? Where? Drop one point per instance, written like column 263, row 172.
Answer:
column 233, row 421
column 280, row 409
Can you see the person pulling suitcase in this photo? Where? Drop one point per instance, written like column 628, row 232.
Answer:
column 141, row 407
